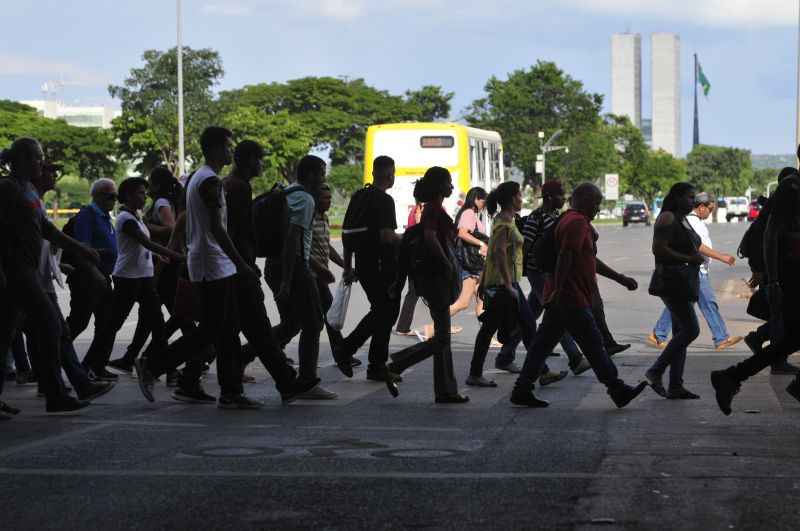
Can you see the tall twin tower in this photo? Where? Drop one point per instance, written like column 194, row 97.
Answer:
column 626, row 86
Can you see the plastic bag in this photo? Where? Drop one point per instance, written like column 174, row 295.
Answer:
column 338, row 310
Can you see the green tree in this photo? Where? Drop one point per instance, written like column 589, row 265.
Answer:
column 147, row 130
column 658, row 172
column 721, row 170
column 541, row 98
column 346, row 178
column 762, row 177
column 284, row 139
column 430, row 103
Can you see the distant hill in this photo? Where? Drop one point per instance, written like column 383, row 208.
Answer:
column 772, row 161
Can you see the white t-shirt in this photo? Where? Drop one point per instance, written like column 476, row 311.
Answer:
column 705, row 238
column 133, row 260
column 206, row 259
column 157, row 206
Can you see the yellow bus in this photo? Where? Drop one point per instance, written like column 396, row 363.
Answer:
column 473, row 156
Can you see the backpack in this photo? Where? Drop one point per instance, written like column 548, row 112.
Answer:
column 416, row 263
column 545, row 249
column 752, row 243
column 356, row 233
column 270, row 222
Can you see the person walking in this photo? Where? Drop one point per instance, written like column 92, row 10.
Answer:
column 781, row 261
column 707, row 302
column 568, row 299
column 676, row 281
column 403, row 327
column 434, row 279
column 369, row 234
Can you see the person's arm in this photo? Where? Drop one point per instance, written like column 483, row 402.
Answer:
column 164, row 231
column 465, row 232
column 604, row 270
column 51, row 233
column 499, row 246
column 131, row 228
column 662, row 233
column 335, row 256
column 711, row 253
column 210, row 191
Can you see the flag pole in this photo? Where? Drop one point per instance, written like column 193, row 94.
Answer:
column 696, row 136
column 179, row 49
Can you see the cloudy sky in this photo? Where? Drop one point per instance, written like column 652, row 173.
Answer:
column 748, row 48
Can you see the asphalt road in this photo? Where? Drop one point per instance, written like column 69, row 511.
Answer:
column 368, row 461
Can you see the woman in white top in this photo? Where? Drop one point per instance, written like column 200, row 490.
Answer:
column 133, row 272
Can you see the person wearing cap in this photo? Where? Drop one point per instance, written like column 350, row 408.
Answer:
column 703, row 207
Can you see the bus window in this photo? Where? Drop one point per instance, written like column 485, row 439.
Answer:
column 494, row 164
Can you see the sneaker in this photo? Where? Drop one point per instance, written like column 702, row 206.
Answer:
column 102, row 375
column 520, row 398
column 480, row 381
column 753, row 343
column 551, row 377
column 238, row 402
column 95, row 390
column 122, row 365
column 511, row 367
column 725, row 388
column 653, row 341
column 197, row 395
column 784, row 368
column 145, row 379
column 793, row 389
column 624, row 394
column 8, row 410
column 26, row 378
column 407, row 333
column 616, row 348
column 452, row 399
column 318, row 393
column 728, row 343
column 681, row 393
column 582, row 367
column 655, row 383
column 298, row 387
column 65, row 404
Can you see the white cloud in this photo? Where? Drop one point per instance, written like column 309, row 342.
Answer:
column 737, row 13
column 72, row 74
column 230, row 8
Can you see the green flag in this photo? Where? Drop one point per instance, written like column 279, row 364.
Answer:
column 703, row 80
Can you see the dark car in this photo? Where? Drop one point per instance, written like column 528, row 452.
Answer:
column 635, row 213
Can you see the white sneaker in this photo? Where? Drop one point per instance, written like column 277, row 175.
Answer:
column 318, row 393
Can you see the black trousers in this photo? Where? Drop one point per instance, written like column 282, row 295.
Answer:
column 25, row 296
column 127, row 292
column 407, row 310
column 87, row 298
column 383, row 311
column 599, row 312
column 217, row 335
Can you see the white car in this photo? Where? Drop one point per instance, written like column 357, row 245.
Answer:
column 738, row 207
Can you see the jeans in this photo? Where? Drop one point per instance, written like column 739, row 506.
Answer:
column 382, row 314
column 217, row 335
column 685, row 329
column 599, row 312
column 438, row 346
column 407, row 310
column 710, row 309
column 127, row 292
column 580, row 323
column 305, row 318
column 535, row 301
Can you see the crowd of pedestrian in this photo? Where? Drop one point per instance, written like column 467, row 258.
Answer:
column 194, row 250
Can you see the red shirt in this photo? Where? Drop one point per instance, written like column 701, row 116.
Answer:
column 574, row 233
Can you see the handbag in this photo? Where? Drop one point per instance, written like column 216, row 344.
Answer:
column 338, row 310
column 681, row 282
column 758, row 306
column 469, row 256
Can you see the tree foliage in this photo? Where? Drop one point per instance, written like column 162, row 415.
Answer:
column 147, row 131
column 430, row 103
column 721, row 170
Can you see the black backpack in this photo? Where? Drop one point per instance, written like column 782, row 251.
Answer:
column 545, row 249
column 752, row 243
column 356, row 233
column 270, row 222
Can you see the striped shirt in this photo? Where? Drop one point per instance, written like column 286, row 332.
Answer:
column 320, row 240
column 535, row 225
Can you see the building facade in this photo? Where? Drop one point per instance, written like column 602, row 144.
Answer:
column 98, row 116
column 626, row 76
column 666, row 83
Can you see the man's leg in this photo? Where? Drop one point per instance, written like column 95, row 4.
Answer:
column 126, row 293
column 140, row 336
column 708, row 305
column 546, row 338
column 583, row 328
column 444, row 380
column 386, row 311
column 220, row 326
column 599, row 312
column 407, row 312
column 84, row 297
column 368, row 277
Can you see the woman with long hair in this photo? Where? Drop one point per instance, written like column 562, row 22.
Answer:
column 676, row 280
column 471, row 249
column 433, row 280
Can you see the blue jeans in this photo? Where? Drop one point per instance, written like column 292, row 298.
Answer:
column 685, row 329
column 710, row 309
column 580, row 323
column 535, row 300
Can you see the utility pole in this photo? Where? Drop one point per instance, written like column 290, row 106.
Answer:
column 547, row 148
column 181, row 155
column 696, row 136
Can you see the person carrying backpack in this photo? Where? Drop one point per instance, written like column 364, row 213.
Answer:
column 369, row 234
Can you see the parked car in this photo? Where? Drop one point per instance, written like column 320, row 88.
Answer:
column 635, row 212
column 738, row 207
column 755, row 210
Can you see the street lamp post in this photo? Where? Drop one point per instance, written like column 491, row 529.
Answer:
column 181, row 154
column 548, row 148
